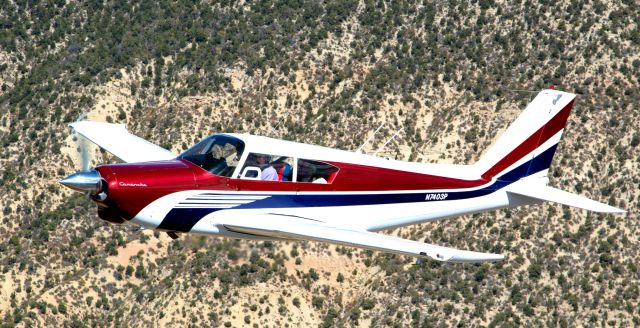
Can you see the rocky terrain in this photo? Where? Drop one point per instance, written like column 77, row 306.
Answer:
column 451, row 75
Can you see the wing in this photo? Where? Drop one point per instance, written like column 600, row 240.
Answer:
column 298, row 228
column 115, row 139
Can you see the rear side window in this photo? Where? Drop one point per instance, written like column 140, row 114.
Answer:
column 315, row 172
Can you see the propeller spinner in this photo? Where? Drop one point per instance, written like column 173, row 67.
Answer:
column 89, row 181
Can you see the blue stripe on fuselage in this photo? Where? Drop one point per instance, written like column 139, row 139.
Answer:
column 183, row 219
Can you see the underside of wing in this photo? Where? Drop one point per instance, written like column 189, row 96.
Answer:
column 115, row 139
column 298, row 228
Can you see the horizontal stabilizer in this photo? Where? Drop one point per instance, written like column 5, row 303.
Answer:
column 288, row 227
column 546, row 193
column 115, row 139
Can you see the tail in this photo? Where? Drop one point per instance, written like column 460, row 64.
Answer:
column 521, row 157
column 528, row 145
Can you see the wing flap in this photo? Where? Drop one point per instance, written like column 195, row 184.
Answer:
column 278, row 226
column 115, row 139
column 543, row 192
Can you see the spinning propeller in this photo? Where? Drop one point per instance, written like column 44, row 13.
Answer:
column 87, row 179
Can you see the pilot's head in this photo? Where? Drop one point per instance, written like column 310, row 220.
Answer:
column 262, row 159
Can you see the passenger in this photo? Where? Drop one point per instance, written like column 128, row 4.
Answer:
column 285, row 173
column 268, row 172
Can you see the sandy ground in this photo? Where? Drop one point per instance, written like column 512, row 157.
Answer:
column 8, row 286
column 132, row 249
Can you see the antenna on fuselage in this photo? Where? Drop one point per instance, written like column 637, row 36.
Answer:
column 388, row 141
column 274, row 129
column 359, row 150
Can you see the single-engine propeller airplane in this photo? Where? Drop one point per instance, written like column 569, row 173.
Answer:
column 253, row 187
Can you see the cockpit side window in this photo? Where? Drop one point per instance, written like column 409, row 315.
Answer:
column 217, row 154
column 316, row 172
column 267, row 167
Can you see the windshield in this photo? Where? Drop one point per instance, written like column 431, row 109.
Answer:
column 218, row 154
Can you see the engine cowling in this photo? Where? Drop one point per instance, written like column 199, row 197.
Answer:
column 123, row 190
column 132, row 186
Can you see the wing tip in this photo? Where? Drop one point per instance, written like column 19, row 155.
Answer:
column 465, row 257
column 77, row 124
column 481, row 258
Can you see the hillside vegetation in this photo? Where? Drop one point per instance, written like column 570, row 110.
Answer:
column 451, row 75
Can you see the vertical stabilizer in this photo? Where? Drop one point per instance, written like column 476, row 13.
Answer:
column 527, row 147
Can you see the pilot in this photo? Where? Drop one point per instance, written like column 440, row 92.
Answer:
column 268, row 172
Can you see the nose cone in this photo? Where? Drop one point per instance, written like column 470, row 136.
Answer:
column 90, row 182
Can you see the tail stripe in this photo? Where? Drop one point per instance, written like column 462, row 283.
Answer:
column 543, row 134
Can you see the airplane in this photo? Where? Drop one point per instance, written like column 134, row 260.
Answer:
column 253, row 187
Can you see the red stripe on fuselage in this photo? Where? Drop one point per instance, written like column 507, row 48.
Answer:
column 543, row 134
column 354, row 177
